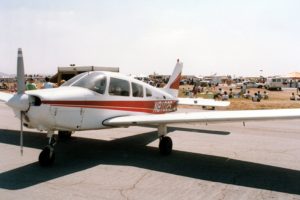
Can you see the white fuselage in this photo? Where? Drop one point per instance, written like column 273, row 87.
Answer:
column 76, row 108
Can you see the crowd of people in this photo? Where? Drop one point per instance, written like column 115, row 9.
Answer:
column 257, row 96
column 221, row 94
column 31, row 85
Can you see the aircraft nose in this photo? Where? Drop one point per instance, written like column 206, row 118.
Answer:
column 19, row 102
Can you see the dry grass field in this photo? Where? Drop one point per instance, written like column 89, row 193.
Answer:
column 277, row 99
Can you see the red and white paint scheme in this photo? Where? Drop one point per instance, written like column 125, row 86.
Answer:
column 96, row 100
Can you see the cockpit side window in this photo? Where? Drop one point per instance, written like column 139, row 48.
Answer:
column 118, row 87
column 137, row 90
column 100, row 85
column 93, row 81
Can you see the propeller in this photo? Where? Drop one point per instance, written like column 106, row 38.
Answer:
column 20, row 101
column 21, row 91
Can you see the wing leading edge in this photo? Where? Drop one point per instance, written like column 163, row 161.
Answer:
column 5, row 96
column 215, row 116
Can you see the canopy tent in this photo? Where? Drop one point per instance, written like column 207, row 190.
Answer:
column 294, row 75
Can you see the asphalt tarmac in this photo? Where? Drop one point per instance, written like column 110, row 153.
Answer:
column 214, row 161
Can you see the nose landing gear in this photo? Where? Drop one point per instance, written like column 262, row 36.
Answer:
column 47, row 156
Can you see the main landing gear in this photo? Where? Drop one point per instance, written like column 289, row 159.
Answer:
column 47, row 156
column 165, row 142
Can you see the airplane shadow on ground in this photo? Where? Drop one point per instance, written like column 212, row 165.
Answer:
column 79, row 154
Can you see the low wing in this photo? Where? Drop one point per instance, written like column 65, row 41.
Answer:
column 5, row 96
column 202, row 102
column 215, row 116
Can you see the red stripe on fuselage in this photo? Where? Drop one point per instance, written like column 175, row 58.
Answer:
column 157, row 107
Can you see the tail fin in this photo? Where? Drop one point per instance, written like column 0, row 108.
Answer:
column 172, row 86
column 20, row 73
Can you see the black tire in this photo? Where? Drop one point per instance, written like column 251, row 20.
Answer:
column 64, row 135
column 46, row 158
column 165, row 145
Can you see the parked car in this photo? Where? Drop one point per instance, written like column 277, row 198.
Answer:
column 183, row 82
column 250, row 84
column 275, row 83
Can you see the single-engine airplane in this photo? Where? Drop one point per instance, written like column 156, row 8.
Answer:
column 97, row 100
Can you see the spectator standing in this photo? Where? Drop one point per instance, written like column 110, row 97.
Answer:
column 291, row 83
column 195, row 90
column 30, row 85
column 243, row 88
column 230, row 93
column 48, row 84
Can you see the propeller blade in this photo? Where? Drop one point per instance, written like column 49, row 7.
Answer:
column 20, row 101
column 20, row 73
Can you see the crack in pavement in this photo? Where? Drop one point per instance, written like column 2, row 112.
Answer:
column 123, row 191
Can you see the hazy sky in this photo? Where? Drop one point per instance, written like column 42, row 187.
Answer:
column 141, row 37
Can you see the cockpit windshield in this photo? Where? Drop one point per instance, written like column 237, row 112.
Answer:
column 95, row 81
column 74, row 79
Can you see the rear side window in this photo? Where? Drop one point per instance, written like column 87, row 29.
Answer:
column 118, row 87
column 137, row 90
column 148, row 93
